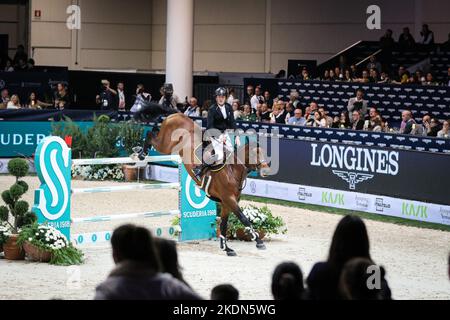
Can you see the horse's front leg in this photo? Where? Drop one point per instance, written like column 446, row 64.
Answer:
column 223, row 233
column 248, row 225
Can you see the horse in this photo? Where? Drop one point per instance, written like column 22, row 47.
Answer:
column 180, row 135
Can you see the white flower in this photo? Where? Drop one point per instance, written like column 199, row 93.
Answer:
column 30, row 239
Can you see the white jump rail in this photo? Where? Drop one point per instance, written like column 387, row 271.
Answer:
column 125, row 160
column 128, row 187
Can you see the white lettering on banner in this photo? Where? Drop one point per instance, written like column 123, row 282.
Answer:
column 350, row 159
column 16, row 139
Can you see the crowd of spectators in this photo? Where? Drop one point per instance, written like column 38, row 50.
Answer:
column 20, row 62
column 148, row 268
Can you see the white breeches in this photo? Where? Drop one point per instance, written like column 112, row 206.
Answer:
column 223, row 141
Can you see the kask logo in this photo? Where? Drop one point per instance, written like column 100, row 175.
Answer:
column 332, row 198
column 414, row 210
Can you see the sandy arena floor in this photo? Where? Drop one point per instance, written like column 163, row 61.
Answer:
column 415, row 259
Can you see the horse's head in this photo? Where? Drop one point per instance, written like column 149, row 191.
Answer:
column 256, row 161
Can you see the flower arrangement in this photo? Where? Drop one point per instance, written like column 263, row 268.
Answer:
column 5, row 232
column 262, row 221
column 48, row 239
column 96, row 172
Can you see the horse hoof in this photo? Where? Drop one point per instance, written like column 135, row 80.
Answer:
column 231, row 253
column 261, row 246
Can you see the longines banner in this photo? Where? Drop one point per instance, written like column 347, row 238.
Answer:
column 350, row 200
column 414, row 175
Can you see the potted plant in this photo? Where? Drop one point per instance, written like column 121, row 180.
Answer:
column 15, row 209
column 262, row 219
column 131, row 135
column 4, row 234
column 43, row 243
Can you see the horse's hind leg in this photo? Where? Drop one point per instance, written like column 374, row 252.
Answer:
column 223, row 232
column 248, row 225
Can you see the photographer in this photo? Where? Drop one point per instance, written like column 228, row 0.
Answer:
column 142, row 97
column 168, row 100
column 106, row 99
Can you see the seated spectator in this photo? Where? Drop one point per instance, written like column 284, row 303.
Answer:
column 287, row 282
column 358, row 103
column 317, row 120
column 402, row 76
column 289, row 110
column 268, row 99
column 350, row 240
column 236, row 109
column 193, row 110
column 247, row 114
column 61, row 98
column 444, row 133
column 435, row 127
column 333, row 76
column 138, row 274
column 384, row 78
column 34, row 103
column 4, row 97
column 281, row 74
column 225, row 292
column 426, row 35
column 326, row 76
column 373, row 112
column 168, row 256
column 294, row 98
column 373, row 75
column 406, row 40
column 365, row 78
column 373, row 64
column 429, row 80
column 339, row 74
column 231, row 96
column 305, row 74
column 9, row 66
column 376, row 124
column 204, row 109
column 142, row 97
column 347, row 76
column 297, row 119
column 21, row 65
column 14, row 103
column 356, row 277
column 278, row 114
column 357, row 122
column 263, row 113
column 342, row 122
column 328, row 119
column 420, row 76
column 121, row 103
column 407, row 122
column 354, row 71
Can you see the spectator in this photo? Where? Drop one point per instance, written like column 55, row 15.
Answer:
column 387, row 41
column 384, row 78
column 168, row 256
column 357, row 122
column 287, row 282
column 354, row 280
column 106, row 98
column 427, row 36
column 429, row 80
column 376, row 124
column 354, row 71
column 402, row 76
column 4, row 97
column 407, row 122
column 61, row 97
column 342, row 122
column 247, row 114
column 21, row 65
column 278, row 114
column 313, row 107
column 121, row 104
column 14, row 103
column 350, row 240
column 326, row 76
column 236, row 109
column 281, row 74
column 137, row 275
column 373, row 64
column 9, row 66
column 347, row 76
column 317, row 120
column 256, row 98
column 294, row 98
column 289, row 110
column 305, row 74
column 205, row 107
column 225, row 292
column 250, row 93
column 333, row 76
column 20, row 55
column 34, row 103
column 169, row 100
column 338, row 74
column 263, row 113
column 373, row 75
column 365, row 77
column 444, row 133
column 297, row 119
column 422, row 129
column 268, row 99
column 231, row 96
column 358, row 103
column 406, row 40
column 30, row 64
column 328, row 119
column 142, row 97
column 193, row 110
column 435, row 127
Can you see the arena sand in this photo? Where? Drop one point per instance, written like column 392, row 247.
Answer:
column 415, row 259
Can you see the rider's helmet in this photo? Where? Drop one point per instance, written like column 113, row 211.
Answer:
column 221, row 91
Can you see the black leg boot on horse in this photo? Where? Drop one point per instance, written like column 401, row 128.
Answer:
column 223, row 238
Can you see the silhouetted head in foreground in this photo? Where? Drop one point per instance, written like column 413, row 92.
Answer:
column 287, row 282
column 224, row 292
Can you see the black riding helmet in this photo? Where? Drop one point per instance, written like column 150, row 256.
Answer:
column 221, row 91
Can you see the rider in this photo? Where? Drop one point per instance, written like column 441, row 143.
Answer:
column 220, row 117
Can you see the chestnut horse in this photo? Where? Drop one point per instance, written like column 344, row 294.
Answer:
column 225, row 184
